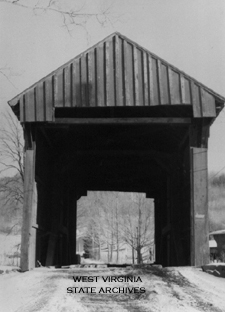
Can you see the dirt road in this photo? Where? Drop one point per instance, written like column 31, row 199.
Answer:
column 150, row 289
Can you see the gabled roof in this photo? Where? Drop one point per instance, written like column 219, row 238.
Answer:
column 114, row 72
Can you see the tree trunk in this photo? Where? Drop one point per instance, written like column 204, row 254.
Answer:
column 108, row 253
column 132, row 254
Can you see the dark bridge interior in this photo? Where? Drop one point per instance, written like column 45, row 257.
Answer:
column 119, row 154
column 116, row 154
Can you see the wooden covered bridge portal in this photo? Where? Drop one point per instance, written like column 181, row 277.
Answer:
column 116, row 118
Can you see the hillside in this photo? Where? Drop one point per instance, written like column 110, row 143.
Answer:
column 216, row 202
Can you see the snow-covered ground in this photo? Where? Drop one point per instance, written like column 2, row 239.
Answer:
column 167, row 290
column 9, row 249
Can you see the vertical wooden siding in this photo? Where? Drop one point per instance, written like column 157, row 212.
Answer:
column 115, row 72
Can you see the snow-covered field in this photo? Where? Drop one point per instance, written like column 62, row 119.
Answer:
column 167, row 290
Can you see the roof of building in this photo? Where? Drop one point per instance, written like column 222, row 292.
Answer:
column 115, row 72
column 217, row 232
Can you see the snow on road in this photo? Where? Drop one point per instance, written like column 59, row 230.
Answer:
column 167, row 290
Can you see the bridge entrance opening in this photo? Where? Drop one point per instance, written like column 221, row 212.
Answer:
column 116, row 228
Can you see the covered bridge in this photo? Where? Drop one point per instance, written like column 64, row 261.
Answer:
column 116, row 117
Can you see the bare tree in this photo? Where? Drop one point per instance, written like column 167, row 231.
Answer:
column 102, row 214
column 11, row 172
column 73, row 13
column 6, row 72
column 138, row 224
column 11, row 158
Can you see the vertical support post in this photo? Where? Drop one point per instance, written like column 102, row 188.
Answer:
column 157, row 231
column 199, row 207
column 28, row 236
column 33, row 232
column 54, row 220
column 72, row 225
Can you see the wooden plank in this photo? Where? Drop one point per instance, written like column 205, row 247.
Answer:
column 130, row 75
column 126, row 74
column 169, row 120
column 199, row 207
column 91, row 78
column 58, row 89
column 72, row 224
column 136, row 86
column 29, row 105
column 116, row 69
column 27, row 238
column 40, row 102
column 107, row 72
column 100, row 76
column 118, row 72
column 33, row 230
column 76, row 83
column 197, row 110
column 140, row 77
column 187, row 91
column 22, row 108
column 182, row 89
column 71, row 84
column 169, row 87
column 151, row 84
column 175, row 92
column 67, row 86
column 111, row 74
column 208, row 104
column 84, row 85
column 49, row 83
column 159, row 80
column 155, row 82
column 164, row 85
column 145, row 82
column 160, row 157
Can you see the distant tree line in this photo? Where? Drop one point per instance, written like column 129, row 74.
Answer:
column 217, row 180
column 216, row 202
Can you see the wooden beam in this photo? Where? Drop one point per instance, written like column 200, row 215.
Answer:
column 117, row 153
column 72, row 224
column 52, row 244
column 150, row 120
column 199, row 207
column 28, row 237
column 33, row 231
column 55, row 218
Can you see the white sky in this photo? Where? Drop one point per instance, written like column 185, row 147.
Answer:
column 187, row 33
